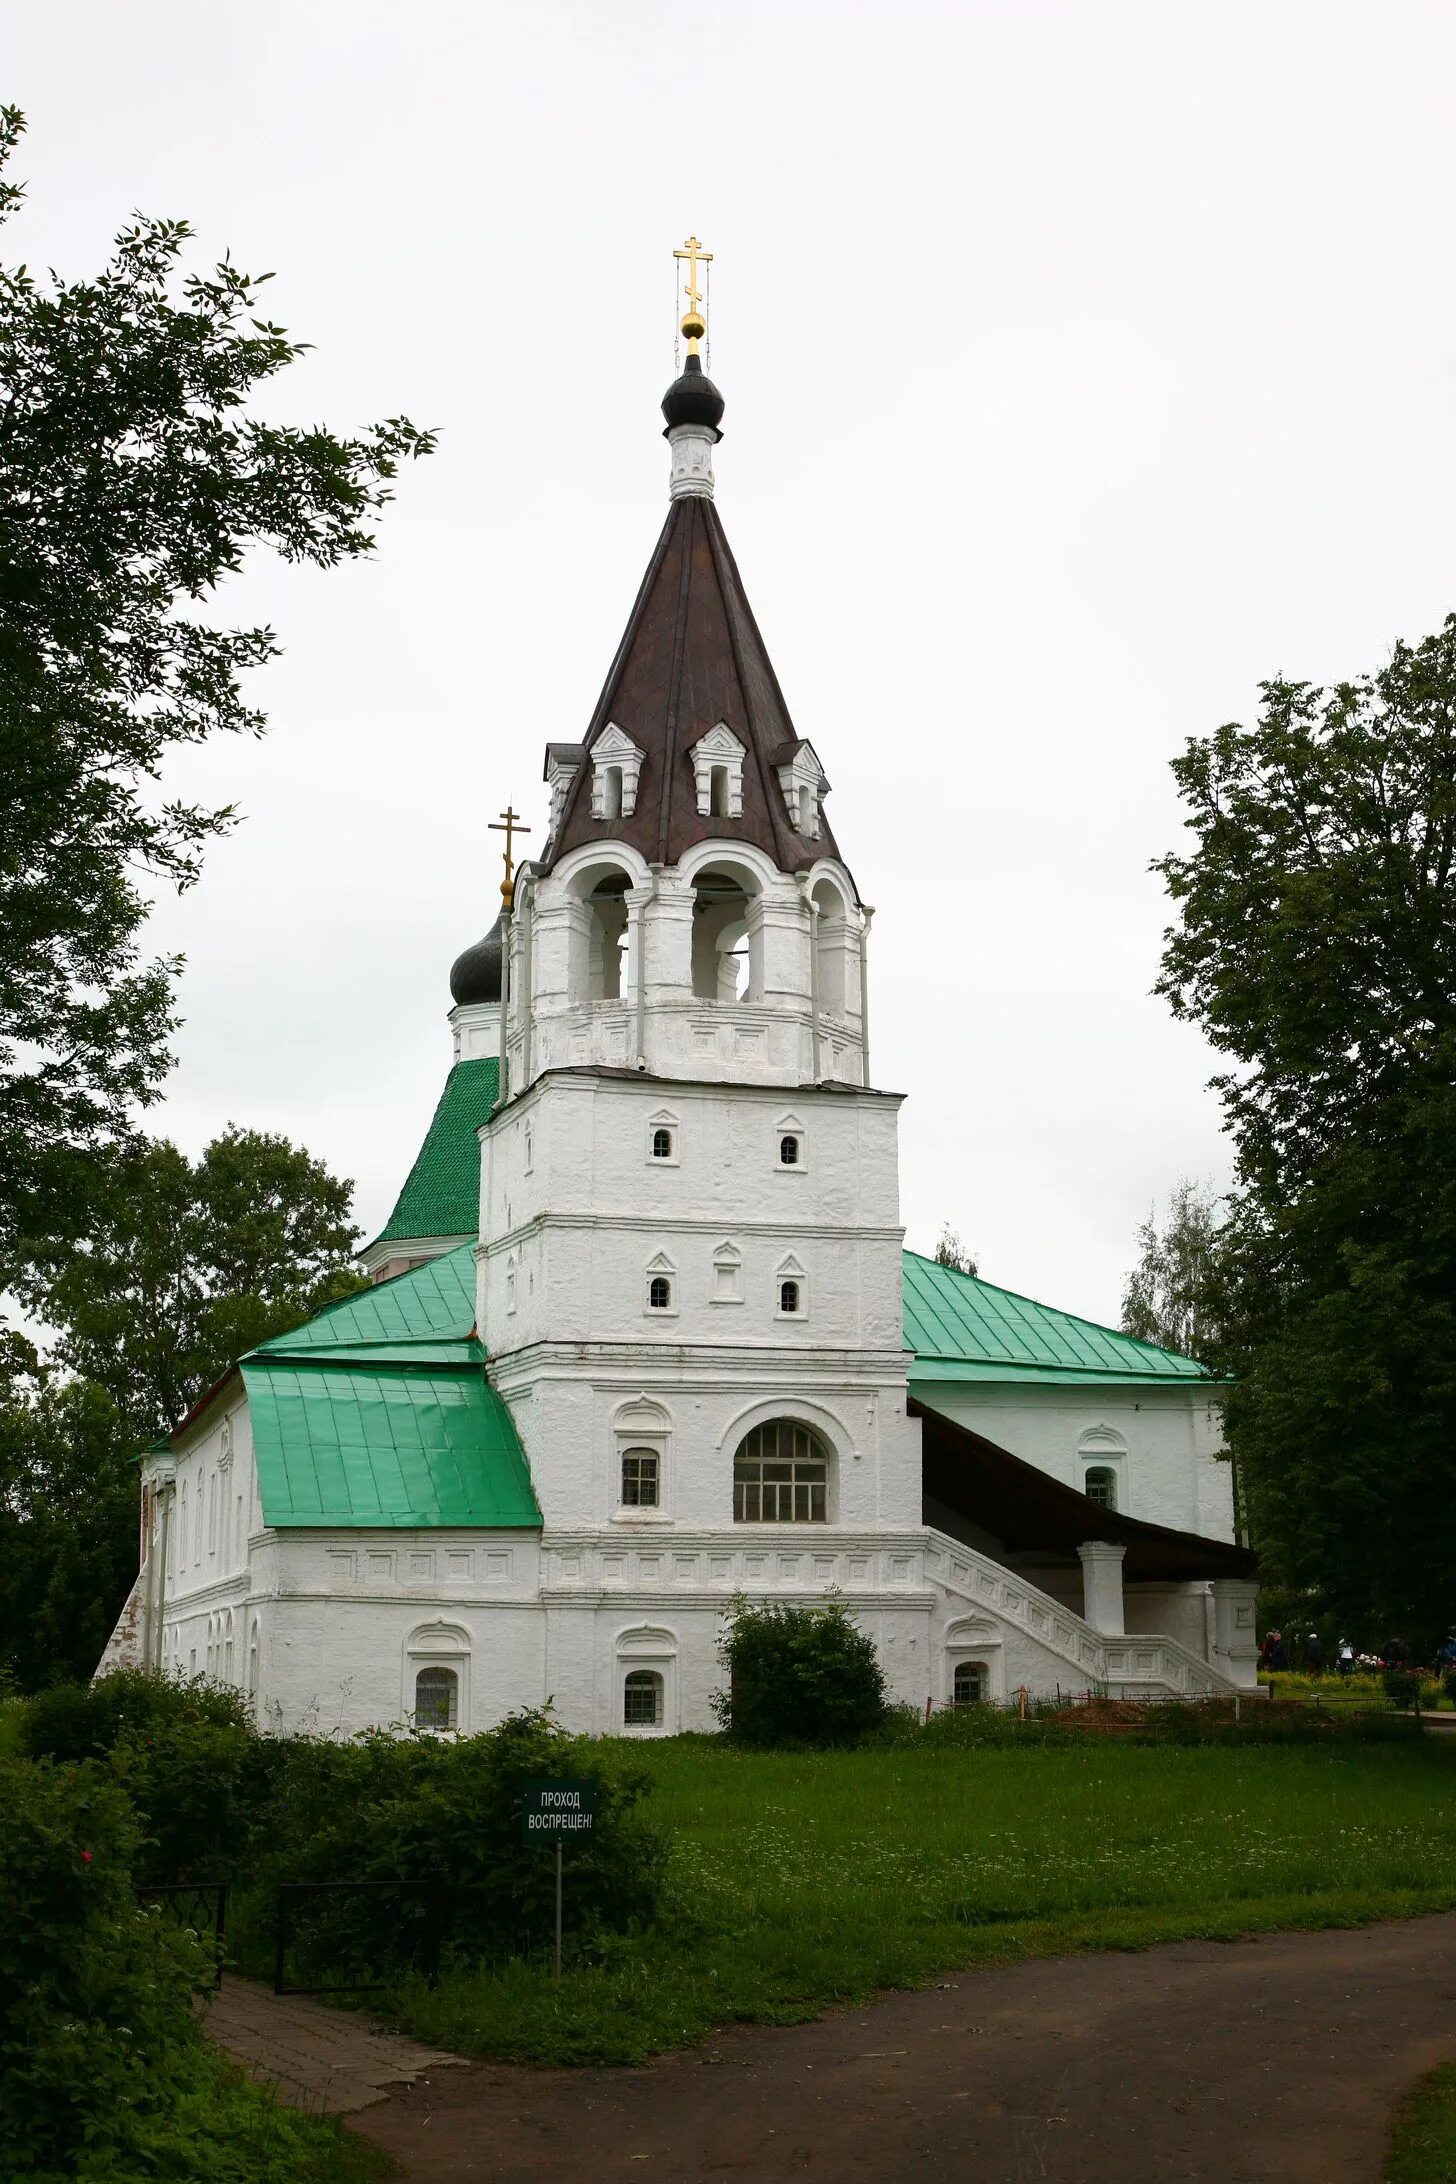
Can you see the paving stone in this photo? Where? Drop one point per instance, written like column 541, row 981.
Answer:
column 329, row 2061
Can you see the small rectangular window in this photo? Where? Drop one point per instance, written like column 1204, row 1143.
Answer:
column 639, row 1478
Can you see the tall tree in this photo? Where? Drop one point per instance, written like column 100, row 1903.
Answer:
column 1170, row 1297
column 1317, row 948
column 189, row 1263
column 132, row 482
column 68, row 1526
column 954, row 1253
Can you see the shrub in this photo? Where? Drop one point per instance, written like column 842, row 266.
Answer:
column 78, row 1721
column 1403, row 1686
column 420, row 1807
column 798, row 1675
column 201, row 1791
column 1448, row 1684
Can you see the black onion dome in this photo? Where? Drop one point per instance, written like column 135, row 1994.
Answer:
column 476, row 975
column 693, row 399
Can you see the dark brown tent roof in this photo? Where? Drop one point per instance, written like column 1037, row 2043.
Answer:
column 1030, row 1513
column 692, row 656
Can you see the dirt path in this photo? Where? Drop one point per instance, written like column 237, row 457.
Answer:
column 1273, row 2061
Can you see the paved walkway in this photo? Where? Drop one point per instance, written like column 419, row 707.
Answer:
column 330, row 2061
column 1273, row 2061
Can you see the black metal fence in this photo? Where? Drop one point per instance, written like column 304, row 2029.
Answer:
column 197, row 1907
column 293, row 1897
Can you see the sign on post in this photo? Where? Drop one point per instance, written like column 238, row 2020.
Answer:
column 556, row 1811
column 561, row 1807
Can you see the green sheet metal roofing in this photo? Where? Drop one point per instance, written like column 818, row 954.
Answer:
column 433, row 1304
column 379, row 1445
column 962, row 1328
column 378, row 1412
column 441, row 1195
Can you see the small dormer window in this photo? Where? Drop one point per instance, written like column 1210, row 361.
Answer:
column 616, row 771
column 803, row 782
column 563, row 763
column 718, row 773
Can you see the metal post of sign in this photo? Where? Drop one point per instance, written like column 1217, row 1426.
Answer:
column 558, row 1906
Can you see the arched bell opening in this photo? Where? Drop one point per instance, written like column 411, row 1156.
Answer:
column 833, row 939
column 601, row 967
column 727, row 937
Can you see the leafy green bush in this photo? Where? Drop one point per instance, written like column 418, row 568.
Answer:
column 1403, row 1686
column 77, row 1721
column 419, row 1808
column 202, row 1792
column 1448, row 1684
column 798, row 1675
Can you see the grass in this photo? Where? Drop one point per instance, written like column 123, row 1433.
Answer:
column 802, row 1881
column 1423, row 2138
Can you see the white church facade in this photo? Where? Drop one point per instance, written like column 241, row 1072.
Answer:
column 643, row 1334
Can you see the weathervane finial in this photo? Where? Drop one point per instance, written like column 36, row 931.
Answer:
column 694, row 325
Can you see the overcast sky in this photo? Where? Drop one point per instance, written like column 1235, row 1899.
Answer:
column 1085, row 363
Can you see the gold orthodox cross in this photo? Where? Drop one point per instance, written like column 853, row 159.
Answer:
column 694, row 325
column 509, row 824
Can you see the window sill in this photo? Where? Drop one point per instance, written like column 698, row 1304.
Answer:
column 645, row 1517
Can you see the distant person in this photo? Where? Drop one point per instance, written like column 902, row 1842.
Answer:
column 1446, row 1652
column 1278, row 1653
column 1345, row 1657
column 1314, row 1654
column 1393, row 1653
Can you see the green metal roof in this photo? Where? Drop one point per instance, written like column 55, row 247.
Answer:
column 441, row 1196
column 431, row 1306
column 378, row 1414
column 962, row 1328
column 377, row 1445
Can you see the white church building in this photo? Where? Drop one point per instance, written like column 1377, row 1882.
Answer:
column 642, row 1333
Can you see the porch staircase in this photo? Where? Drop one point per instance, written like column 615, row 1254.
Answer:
column 1138, row 1665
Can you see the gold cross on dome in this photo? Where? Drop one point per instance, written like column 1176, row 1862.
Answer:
column 694, row 325
column 509, row 824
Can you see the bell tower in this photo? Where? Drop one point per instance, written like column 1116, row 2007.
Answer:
column 689, row 1268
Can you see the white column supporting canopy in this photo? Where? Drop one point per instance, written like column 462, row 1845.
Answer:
column 1102, row 1586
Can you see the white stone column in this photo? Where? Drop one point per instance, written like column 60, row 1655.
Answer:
column 637, row 899
column 864, row 992
column 1235, row 1643
column 1102, row 1586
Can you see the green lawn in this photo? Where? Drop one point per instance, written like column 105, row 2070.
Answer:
column 1423, row 2141
column 802, row 1881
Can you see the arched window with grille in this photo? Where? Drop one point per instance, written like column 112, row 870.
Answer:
column 642, row 1699
column 662, row 1143
column 437, row 1699
column 781, row 1475
column 968, row 1686
column 1099, row 1484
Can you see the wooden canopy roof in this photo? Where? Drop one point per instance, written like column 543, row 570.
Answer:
column 1031, row 1513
